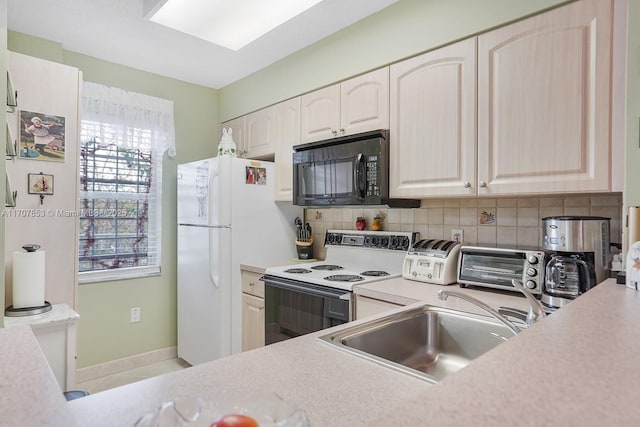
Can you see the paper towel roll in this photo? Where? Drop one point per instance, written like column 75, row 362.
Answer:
column 634, row 225
column 28, row 279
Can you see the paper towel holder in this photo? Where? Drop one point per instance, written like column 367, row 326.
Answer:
column 12, row 311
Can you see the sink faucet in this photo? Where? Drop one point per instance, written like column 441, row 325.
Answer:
column 444, row 294
column 536, row 310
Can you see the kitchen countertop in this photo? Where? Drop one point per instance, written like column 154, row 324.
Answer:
column 261, row 267
column 404, row 292
column 59, row 314
column 29, row 392
column 578, row 366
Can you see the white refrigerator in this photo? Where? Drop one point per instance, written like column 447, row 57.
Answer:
column 227, row 216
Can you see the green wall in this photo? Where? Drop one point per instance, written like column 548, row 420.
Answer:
column 104, row 331
column 632, row 153
column 402, row 30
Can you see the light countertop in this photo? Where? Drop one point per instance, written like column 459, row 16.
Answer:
column 261, row 267
column 578, row 366
column 59, row 314
column 404, row 292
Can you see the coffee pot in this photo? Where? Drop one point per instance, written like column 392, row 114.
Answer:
column 578, row 257
column 567, row 276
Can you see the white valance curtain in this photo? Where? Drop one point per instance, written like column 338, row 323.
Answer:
column 134, row 117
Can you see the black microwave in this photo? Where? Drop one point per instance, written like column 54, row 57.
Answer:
column 345, row 171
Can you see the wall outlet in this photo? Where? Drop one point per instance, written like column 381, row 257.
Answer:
column 135, row 314
column 457, row 234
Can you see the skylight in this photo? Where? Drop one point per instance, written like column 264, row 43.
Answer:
column 229, row 23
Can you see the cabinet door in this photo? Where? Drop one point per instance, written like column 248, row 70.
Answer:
column 252, row 322
column 432, row 123
column 237, row 127
column 286, row 135
column 366, row 307
column 364, row 102
column 320, row 114
column 544, row 102
column 259, row 130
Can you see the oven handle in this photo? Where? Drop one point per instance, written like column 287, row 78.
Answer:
column 307, row 289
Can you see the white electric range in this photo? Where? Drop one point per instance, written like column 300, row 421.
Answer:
column 307, row 297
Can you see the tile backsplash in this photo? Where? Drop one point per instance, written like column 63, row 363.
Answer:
column 502, row 222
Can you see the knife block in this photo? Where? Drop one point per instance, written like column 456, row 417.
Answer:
column 304, row 249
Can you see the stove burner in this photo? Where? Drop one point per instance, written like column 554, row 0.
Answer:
column 297, row 270
column 329, row 267
column 374, row 273
column 344, row 278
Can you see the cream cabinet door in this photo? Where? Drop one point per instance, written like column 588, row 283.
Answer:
column 237, row 127
column 544, row 102
column 320, row 114
column 433, row 123
column 286, row 134
column 364, row 102
column 252, row 322
column 259, row 133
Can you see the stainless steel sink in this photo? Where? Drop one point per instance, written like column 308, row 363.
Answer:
column 427, row 342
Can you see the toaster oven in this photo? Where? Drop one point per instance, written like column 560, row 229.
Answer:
column 496, row 267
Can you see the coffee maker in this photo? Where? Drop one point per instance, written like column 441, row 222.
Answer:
column 578, row 256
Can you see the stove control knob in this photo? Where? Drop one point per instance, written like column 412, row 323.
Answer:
column 375, row 241
column 532, row 259
column 532, row 272
column 530, row 284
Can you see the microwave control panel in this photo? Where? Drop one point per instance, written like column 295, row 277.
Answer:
column 373, row 187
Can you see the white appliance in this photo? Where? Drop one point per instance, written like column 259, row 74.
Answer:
column 307, row 297
column 353, row 257
column 226, row 217
column 432, row 261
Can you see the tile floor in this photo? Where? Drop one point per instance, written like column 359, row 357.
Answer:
column 133, row 375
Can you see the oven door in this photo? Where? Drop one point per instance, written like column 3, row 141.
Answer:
column 294, row 308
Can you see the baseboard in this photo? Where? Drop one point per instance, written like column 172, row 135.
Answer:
column 124, row 364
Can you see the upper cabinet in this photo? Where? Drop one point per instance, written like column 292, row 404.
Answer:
column 544, row 102
column 543, row 110
column 356, row 105
column 259, row 141
column 432, row 124
column 286, row 134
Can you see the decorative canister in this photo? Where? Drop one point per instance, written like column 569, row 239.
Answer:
column 226, row 147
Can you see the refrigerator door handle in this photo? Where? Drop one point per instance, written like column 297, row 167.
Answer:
column 213, row 252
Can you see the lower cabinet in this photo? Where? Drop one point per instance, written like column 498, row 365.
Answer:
column 366, row 306
column 252, row 310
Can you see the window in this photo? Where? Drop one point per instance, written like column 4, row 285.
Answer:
column 124, row 136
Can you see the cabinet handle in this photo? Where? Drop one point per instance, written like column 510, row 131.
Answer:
column 483, row 184
column 334, row 132
column 467, row 184
column 342, row 131
column 251, row 284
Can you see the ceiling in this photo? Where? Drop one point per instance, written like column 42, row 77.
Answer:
column 115, row 31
